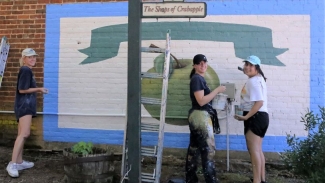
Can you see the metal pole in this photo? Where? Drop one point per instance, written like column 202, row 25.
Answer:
column 134, row 92
column 227, row 124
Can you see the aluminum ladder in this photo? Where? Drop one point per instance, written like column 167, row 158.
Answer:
column 4, row 50
column 156, row 151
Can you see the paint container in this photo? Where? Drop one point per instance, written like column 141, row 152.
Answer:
column 238, row 110
column 219, row 101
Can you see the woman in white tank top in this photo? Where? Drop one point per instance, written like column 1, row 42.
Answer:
column 255, row 116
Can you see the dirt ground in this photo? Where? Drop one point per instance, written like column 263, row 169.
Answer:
column 49, row 169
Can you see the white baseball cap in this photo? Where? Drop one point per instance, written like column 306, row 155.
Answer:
column 28, row 52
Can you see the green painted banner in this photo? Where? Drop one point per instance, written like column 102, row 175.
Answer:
column 247, row 39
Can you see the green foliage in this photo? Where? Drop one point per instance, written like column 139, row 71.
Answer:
column 306, row 157
column 83, row 148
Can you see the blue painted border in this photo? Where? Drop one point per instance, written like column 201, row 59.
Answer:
column 176, row 140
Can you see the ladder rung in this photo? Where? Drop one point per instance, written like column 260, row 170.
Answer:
column 151, row 75
column 149, row 151
column 152, row 50
column 147, row 180
column 147, row 177
column 147, row 100
column 152, row 127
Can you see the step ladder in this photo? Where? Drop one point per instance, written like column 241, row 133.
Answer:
column 4, row 50
column 155, row 151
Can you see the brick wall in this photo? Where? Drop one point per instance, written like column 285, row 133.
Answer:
column 23, row 23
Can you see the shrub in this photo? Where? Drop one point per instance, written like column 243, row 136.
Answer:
column 306, row 157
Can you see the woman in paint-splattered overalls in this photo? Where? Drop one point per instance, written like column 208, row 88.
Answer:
column 200, row 123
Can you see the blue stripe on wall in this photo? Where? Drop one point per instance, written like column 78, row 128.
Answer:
column 177, row 140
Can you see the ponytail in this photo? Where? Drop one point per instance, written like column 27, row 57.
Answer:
column 21, row 61
column 259, row 70
column 192, row 73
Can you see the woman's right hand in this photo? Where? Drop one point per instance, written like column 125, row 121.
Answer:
column 221, row 89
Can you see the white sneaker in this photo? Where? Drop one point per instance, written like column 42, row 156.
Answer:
column 24, row 165
column 12, row 169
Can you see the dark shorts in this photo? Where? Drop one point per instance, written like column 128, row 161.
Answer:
column 23, row 111
column 258, row 123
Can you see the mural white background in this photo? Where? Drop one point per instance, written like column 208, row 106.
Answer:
column 93, row 96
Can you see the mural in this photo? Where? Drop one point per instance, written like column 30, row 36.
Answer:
column 100, row 50
column 105, row 42
column 86, row 62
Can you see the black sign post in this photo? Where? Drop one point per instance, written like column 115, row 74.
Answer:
column 134, row 92
column 138, row 10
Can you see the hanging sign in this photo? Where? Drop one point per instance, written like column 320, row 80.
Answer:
column 174, row 9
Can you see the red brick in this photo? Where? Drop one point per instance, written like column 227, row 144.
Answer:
column 21, row 46
column 33, row 7
column 19, row 2
column 43, row 1
column 38, row 75
column 38, row 69
column 23, row 26
column 29, row 12
column 16, row 64
column 23, row 16
column 39, row 31
column 31, row 1
column 40, row 7
column 40, row 21
column 28, row 21
column 17, row 12
column 13, row 22
column 35, row 16
column 35, row 26
column 6, row 3
column 34, row 45
column 29, row 31
column 8, row 17
column 12, row 26
column 38, row 40
column 40, row 11
column 56, row 1
column 19, row 7
column 69, row 1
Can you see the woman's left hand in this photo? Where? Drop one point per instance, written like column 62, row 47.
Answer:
column 240, row 118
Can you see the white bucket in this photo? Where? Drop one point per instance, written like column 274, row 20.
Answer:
column 219, row 101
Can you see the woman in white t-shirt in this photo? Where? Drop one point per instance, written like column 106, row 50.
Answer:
column 255, row 116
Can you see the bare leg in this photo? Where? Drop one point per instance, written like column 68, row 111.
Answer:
column 262, row 162
column 253, row 145
column 20, row 155
column 23, row 133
